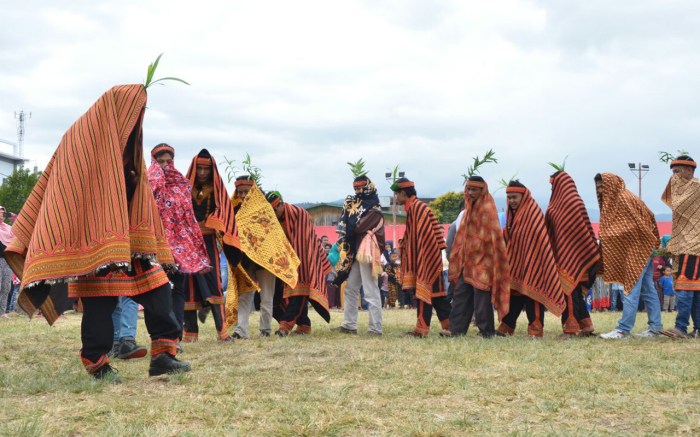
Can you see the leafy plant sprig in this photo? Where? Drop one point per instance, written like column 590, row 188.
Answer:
column 152, row 71
column 394, row 177
column 503, row 182
column 358, row 168
column 251, row 169
column 667, row 157
column 473, row 169
column 230, row 169
column 559, row 167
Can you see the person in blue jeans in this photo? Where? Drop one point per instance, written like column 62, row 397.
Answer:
column 628, row 236
column 682, row 194
column 645, row 291
column 124, row 320
column 616, row 291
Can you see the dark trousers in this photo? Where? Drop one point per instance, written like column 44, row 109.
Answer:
column 97, row 331
column 468, row 301
column 296, row 313
column 190, row 320
column 425, row 311
column 535, row 315
column 178, row 283
column 576, row 316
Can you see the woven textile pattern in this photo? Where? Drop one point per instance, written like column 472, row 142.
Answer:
column 479, row 253
column 263, row 239
column 628, row 233
column 172, row 194
column 77, row 218
column 533, row 271
column 421, row 251
column 571, row 235
column 222, row 219
column 314, row 266
column 683, row 197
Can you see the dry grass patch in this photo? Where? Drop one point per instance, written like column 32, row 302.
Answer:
column 336, row 384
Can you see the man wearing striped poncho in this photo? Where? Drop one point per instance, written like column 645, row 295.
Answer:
column 682, row 194
column 575, row 249
column 314, row 266
column 534, row 281
column 421, row 259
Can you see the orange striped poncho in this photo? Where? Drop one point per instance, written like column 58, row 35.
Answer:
column 478, row 253
column 628, row 233
column 80, row 216
column 571, row 235
column 421, row 251
column 533, row 271
column 314, row 265
column 223, row 218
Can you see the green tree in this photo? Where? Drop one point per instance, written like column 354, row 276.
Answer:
column 446, row 207
column 16, row 188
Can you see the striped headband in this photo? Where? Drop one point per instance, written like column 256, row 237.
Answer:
column 520, row 190
column 476, row 184
column 360, row 184
column 683, row 162
column 205, row 162
column 162, row 148
column 244, row 183
column 276, row 201
column 407, row 184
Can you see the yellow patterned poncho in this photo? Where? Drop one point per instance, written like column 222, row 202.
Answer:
column 264, row 242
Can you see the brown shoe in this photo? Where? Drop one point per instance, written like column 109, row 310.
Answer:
column 344, row 330
column 674, row 333
column 414, row 334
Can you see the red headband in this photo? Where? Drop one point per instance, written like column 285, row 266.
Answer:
column 476, row 184
column 407, row 184
column 360, row 184
column 244, row 182
column 683, row 162
column 520, row 190
column 162, row 148
column 275, row 202
column 206, row 162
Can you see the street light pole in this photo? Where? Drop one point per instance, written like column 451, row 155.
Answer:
column 639, row 170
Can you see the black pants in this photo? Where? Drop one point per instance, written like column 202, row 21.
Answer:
column 535, row 315
column 425, row 311
column 296, row 313
column 468, row 301
column 576, row 316
column 190, row 320
column 178, row 283
column 97, row 331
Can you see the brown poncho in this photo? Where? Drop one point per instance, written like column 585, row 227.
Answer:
column 628, row 233
column 571, row 235
column 81, row 215
column 479, row 253
column 421, row 251
column 683, row 197
column 533, row 271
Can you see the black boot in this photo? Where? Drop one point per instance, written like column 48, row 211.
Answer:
column 128, row 349
column 164, row 363
column 108, row 374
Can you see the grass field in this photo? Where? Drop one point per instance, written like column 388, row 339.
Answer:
column 335, row 384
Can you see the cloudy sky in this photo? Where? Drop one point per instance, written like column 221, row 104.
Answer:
column 305, row 86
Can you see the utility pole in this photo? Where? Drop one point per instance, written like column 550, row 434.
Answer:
column 639, row 170
column 21, row 118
